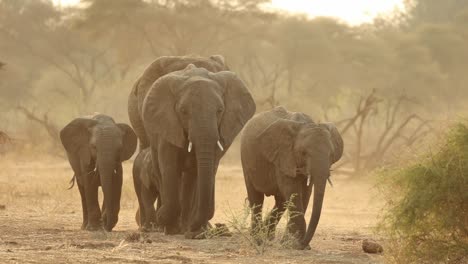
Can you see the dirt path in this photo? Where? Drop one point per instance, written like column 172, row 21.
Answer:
column 41, row 219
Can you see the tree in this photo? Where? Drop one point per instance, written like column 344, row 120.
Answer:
column 375, row 128
column 433, row 11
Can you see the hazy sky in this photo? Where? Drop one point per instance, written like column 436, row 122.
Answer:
column 351, row 11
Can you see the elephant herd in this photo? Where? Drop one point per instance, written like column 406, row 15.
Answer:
column 186, row 112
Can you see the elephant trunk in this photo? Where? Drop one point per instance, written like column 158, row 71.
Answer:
column 319, row 193
column 205, row 151
column 110, row 171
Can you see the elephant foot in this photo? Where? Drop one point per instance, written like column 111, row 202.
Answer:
column 294, row 243
column 137, row 217
column 307, row 247
column 164, row 215
column 108, row 229
column 172, row 230
column 157, row 228
column 95, row 227
column 199, row 234
column 84, row 225
column 300, row 246
column 146, row 228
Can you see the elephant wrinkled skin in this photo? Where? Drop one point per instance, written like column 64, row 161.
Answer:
column 284, row 154
column 96, row 147
column 190, row 118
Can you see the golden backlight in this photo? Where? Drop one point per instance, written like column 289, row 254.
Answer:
column 353, row 12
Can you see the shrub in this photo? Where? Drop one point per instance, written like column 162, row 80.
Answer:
column 426, row 219
column 261, row 237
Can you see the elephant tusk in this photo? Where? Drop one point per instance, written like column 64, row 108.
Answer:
column 189, row 146
column 308, row 179
column 220, row 146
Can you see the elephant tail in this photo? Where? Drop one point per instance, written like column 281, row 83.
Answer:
column 72, row 182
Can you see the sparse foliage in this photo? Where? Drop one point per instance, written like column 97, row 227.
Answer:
column 260, row 238
column 428, row 203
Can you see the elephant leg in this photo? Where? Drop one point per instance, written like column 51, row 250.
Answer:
column 275, row 216
column 296, row 222
column 138, row 186
column 92, row 202
column 83, row 205
column 159, row 227
column 256, row 204
column 138, row 217
column 117, row 193
column 148, row 197
column 141, row 212
column 78, row 165
column 142, row 218
column 187, row 197
column 170, row 167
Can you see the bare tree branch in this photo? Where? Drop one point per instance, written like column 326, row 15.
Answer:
column 52, row 129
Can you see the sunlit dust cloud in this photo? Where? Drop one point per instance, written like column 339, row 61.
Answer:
column 353, row 12
column 65, row 2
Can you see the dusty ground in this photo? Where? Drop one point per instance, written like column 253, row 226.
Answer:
column 40, row 221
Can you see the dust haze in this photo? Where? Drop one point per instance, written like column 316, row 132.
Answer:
column 390, row 86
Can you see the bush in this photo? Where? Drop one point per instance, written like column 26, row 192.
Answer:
column 426, row 219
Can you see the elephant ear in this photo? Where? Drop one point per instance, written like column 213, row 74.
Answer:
column 76, row 134
column 337, row 141
column 129, row 141
column 135, row 87
column 239, row 106
column 159, row 115
column 276, row 143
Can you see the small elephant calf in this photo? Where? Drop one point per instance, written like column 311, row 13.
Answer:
column 96, row 146
column 146, row 183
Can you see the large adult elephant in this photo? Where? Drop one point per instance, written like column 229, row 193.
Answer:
column 191, row 118
column 284, row 154
column 96, row 147
column 158, row 68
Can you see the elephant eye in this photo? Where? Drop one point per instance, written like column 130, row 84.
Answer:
column 220, row 110
column 183, row 110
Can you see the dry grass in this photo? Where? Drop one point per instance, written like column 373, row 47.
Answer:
column 41, row 220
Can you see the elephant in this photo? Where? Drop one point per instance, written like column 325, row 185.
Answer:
column 146, row 183
column 191, row 118
column 284, row 154
column 96, row 146
column 160, row 67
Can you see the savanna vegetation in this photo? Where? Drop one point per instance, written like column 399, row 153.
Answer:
column 390, row 86
column 428, row 203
